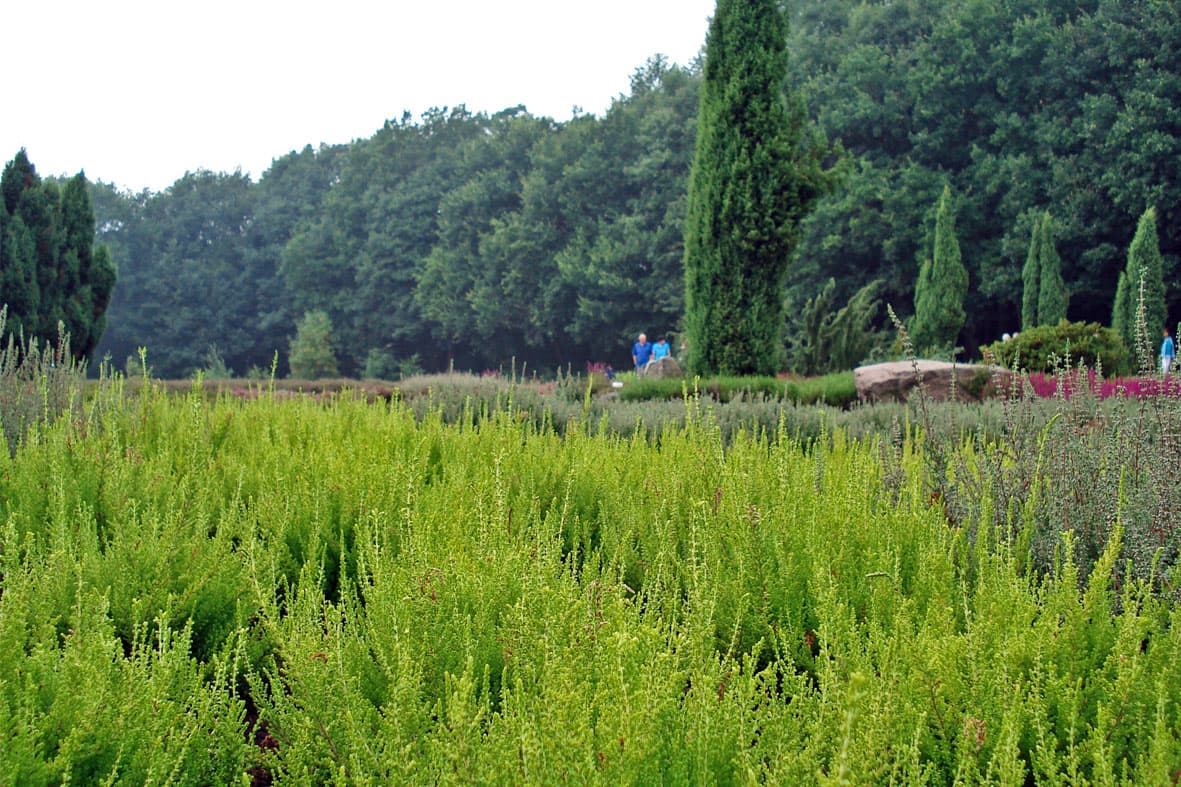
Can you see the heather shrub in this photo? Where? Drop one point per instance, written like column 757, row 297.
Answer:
column 38, row 382
column 1051, row 385
column 489, row 589
column 722, row 389
column 81, row 707
column 836, row 389
column 596, row 380
column 1091, row 458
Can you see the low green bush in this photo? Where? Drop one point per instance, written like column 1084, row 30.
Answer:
column 835, row 389
column 721, row 389
column 1087, row 343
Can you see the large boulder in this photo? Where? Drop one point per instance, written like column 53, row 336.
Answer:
column 893, row 381
column 664, row 367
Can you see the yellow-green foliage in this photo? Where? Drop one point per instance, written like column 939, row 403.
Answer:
column 333, row 591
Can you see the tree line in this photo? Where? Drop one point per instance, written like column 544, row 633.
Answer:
column 469, row 239
column 456, row 239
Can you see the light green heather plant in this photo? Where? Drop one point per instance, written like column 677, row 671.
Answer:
column 296, row 589
column 38, row 382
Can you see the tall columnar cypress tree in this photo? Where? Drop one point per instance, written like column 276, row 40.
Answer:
column 756, row 172
column 941, row 288
column 18, row 274
column 1031, row 279
column 1052, row 296
column 86, row 274
column 100, row 277
column 1122, row 310
column 19, row 285
column 50, row 269
column 1144, row 261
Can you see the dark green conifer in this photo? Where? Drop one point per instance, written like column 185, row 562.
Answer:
column 1144, row 262
column 50, row 270
column 1052, row 295
column 1031, row 279
column 943, row 283
column 19, row 175
column 756, row 172
column 1122, row 310
column 18, row 275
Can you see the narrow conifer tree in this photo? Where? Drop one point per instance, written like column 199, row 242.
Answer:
column 1031, row 279
column 1052, row 297
column 1121, row 311
column 941, row 288
column 1144, row 261
column 86, row 275
column 756, row 172
column 18, row 275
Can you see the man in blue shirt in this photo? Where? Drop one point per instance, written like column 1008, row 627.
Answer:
column 641, row 352
column 1167, row 353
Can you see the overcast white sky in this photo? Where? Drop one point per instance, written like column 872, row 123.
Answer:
column 136, row 92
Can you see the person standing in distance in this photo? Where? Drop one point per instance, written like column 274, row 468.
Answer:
column 1167, row 353
column 641, row 352
column 660, row 349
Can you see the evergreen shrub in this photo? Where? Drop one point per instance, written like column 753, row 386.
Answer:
column 1040, row 349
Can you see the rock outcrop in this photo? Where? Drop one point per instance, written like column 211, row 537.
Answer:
column 664, row 367
column 894, row 381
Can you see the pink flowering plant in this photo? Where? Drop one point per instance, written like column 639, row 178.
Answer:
column 1050, row 385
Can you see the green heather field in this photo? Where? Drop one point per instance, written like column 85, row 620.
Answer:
column 223, row 590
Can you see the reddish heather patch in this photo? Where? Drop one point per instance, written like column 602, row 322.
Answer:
column 1047, row 386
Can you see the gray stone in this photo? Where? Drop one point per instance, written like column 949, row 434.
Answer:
column 894, row 381
column 664, row 367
